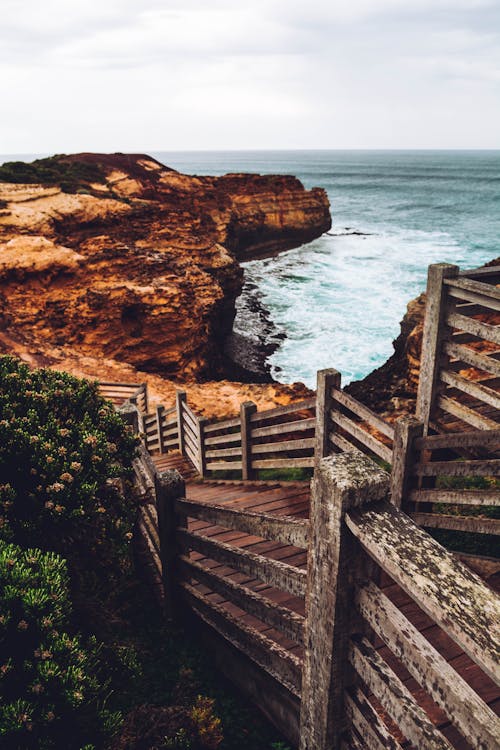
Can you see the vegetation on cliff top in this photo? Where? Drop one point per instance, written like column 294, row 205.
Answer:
column 70, row 176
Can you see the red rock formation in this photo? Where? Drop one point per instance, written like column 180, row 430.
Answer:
column 139, row 266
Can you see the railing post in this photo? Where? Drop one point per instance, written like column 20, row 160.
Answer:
column 246, row 410
column 144, row 387
column 342, row 482
column 406, row 430
column 169, row 486
column 180, row 399
column 130, row 415
column 326, row 380
column 432, row 339
column 159, row 420
column 200, row 422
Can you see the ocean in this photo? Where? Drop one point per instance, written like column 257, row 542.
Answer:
column 337, row 301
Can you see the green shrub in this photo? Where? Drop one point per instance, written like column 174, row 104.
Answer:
column 49, row 695
column 69, row 176
column 63, row 450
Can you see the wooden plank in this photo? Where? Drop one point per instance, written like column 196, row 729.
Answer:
column 225, row 424
column 270, row 571
column 463, row 284
column 479, row 299
column 223, row 465
column 477, row 439
column 470, row 357
column 288, row 622
column 277, row 661
column 481, row 272
column 395, row 697
column 279, row 411
column 472, row 524
column 287, row 445
column 333, row 564
column 448, row 591
column 247, row 410
column 403, row 456
column 467, row 415
column 224, row 452
column 456, row 497
column 341, row 442
column 189, row 416
column 374, row 445
column 180, row 398
column 476, row 390
column 283, row 463
column 280, row 429
column 364, row 412
column 479, row 725
column 474, row 468
column 233, row 437
column 432, row 337
column 284, row 529
column 475, row 327
column 368, row 724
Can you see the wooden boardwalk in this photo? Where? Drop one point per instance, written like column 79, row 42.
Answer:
column 293, row 499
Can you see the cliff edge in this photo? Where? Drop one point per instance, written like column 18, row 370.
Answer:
column 117, row 260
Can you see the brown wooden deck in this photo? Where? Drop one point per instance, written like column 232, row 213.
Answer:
column 293, row 499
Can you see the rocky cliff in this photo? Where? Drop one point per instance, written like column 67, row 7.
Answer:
column 118, row 259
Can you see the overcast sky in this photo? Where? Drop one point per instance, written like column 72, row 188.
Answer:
column 145, row 75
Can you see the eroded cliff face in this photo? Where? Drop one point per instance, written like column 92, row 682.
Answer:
column 139, row 267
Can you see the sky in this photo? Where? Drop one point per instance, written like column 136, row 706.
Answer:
column 153, row 75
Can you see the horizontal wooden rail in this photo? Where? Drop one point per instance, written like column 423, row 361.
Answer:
column 466, row 414
column 446, row 687
column 484, row 300
column 226, row 424
column 487, row 468
column 472, row 358
column 273, row 572
column 289, row 623
column 284, row 529
column 224, row 465
column 468, row 285
column 283, row 463
column 362, row 411
column 232, row 437
column 477, row 439
column 481, row 272
column 476, row 390
column 454, row 597
column 262, row 416
column 475, row 327
column 456, row 497
column 275, row 660
column 300, row 425
column 471, row 524
column 224, row 452
column 359, row 434
column 301, row 444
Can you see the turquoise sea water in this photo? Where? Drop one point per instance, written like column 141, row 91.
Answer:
column 340, row 299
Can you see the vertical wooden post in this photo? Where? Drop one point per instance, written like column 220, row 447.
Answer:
column 341, row 482
column 202, row 467
column 169, row 486
column 432, row 338
column 406, row 430
column 130, row 415
column 144, row 387
column 159, row 427
column 326, row 380
column 246, row 410
column 140, row 419
column 180, row 399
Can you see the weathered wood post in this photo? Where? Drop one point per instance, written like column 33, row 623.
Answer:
column 169, row 486
column 342, row 482
column 406, row 430
column 434, row 333
column 326, row 380
column 200, row 440
column 180, row 399
column 159, row 426
column 247, row 408
column 130, row 415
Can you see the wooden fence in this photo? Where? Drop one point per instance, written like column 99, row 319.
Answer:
column 395, row 630
column 459, row 385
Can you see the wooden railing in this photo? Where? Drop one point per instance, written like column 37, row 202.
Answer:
column 430, row 470
column 369, row 669
column 459, row 385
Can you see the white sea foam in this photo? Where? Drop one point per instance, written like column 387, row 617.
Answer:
column 340, row 298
